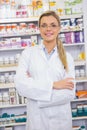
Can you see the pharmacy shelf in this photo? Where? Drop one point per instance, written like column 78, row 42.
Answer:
column 81, row 80
column 13, row 124
column 70, row 30
column 80, row 99
column 71, row 16
column 80, row 118
column 76, row 128
column 73, row 44
column 80, row 62
column 12, row 106
column 8, row 68
column 6, row 85
column 12, row 49
column 18, row 34
column 29, row 19
column 17, row 20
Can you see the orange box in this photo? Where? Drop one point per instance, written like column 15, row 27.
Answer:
column 81, row 94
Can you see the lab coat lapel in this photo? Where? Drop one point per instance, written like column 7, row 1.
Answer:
column 44, row 56
column 42, row 53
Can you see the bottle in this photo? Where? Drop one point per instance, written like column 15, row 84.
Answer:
column 6, row 75
column 5, row 98
column 13, row 9
column 83, row 128
column 52, row 5
column 0, row 99
column 12, row 96
column 24, row 9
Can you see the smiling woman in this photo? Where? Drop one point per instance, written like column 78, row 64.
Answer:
column 51, row 19
column 46, row 76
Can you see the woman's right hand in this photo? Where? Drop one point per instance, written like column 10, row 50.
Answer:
column 64, row 84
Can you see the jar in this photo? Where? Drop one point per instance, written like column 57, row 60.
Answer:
column 18, row 13
column 6, row 77
column 11, row 78
column 0, row 99
column 12, row 117
column 8, row 28
column 24, row 13
column 82, row 72
column 74, row 112
column 53, row 5
column 1, row 61
column 2, row 79
column 11, row 60
column 32, row 27
column 14, row 28
column 8, row 120
column 85, row 110
column 12, row 95
column 77, row 73
column 0, row 120
column 23, row 9
column 83, row 128
column 80, row 111
column 17, row 56
column 6, row 60
column 2, row 29
column 23, row 27
column 30, row 10
column 5, row 98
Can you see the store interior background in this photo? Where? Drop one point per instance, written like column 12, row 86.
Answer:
column 15, row 18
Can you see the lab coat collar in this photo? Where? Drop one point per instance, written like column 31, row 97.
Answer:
column 42, row 46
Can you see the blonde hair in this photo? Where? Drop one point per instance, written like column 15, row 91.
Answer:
column 61, row 50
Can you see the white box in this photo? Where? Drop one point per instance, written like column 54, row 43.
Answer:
column 8, row 128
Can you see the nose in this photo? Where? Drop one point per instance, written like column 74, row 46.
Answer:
column 48, row 27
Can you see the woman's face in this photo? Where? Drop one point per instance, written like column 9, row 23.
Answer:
column 49, row 28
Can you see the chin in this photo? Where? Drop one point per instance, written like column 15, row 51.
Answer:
column 49, row 40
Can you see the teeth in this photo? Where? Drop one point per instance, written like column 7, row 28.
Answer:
column 48, row 34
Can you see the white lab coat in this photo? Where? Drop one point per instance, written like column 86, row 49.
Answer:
column 47, row 109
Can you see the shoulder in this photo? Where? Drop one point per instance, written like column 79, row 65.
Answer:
column 29, row 50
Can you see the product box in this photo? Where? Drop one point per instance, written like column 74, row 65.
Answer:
column 8, row 128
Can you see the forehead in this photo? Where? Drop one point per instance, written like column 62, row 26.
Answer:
column 48, row 19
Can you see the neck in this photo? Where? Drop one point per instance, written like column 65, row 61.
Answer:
column 49, row 46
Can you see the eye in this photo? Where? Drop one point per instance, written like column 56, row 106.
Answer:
column 43, row 25
column 54, row 26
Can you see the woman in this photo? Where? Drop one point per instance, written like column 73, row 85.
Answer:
column 46, row 76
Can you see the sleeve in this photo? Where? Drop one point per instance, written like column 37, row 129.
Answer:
column 29, row 87
column 63, row 96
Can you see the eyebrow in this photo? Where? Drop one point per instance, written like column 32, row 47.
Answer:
column 50, row 23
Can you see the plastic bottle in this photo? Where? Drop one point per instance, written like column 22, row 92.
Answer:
column 13, row 9
column 0, row 99
column 5, row 98
column 83, row 128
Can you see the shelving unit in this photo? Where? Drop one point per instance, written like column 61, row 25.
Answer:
column 10, row 106
column 20, row 107
column 81, row 81
column 13, row 124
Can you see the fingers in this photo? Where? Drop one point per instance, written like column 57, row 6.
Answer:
column 70, row 79
column 70, row 85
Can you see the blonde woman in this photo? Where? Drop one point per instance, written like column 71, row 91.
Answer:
column 46, row 76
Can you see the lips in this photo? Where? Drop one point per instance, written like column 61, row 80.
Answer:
column 48, row 34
